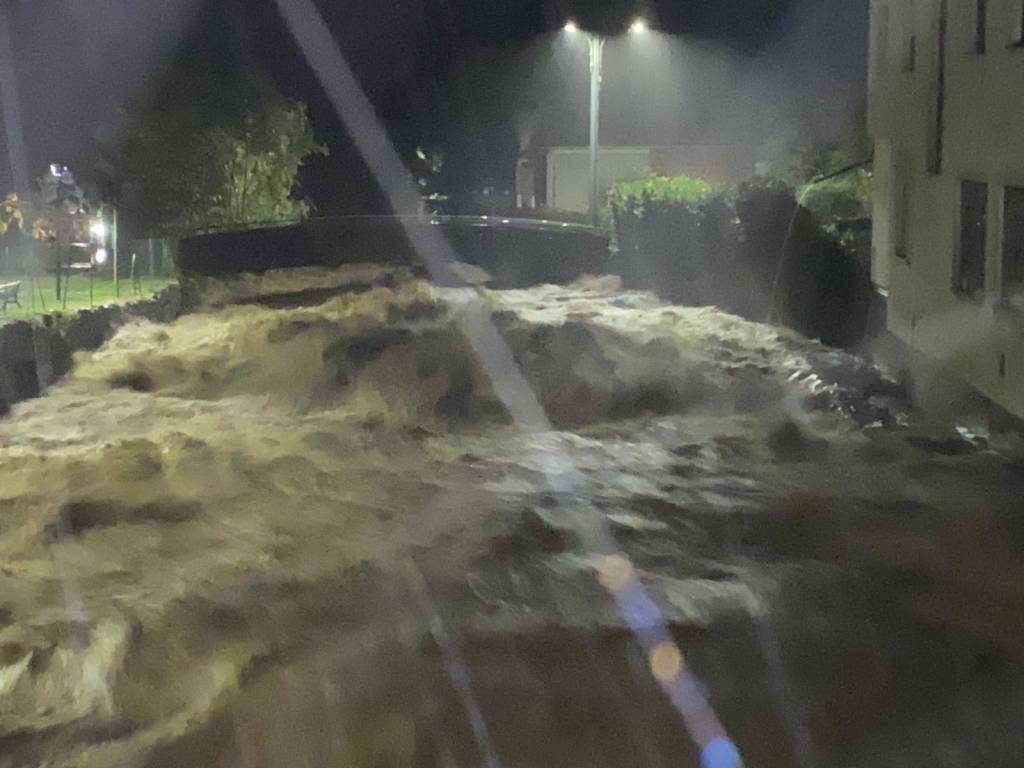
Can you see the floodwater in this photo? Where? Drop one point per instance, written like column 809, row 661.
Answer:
column 313, row 535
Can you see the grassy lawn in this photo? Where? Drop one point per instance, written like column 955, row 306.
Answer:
column 33, row 304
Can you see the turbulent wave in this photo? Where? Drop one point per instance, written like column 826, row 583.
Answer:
column 204, row 501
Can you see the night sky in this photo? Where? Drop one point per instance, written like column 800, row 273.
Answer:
column 459, row 75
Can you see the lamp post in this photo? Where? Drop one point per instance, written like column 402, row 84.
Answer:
column 595, row 46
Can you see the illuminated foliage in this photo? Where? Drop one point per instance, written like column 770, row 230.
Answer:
column 639, row 195
column 58, row 213
column 188, row 170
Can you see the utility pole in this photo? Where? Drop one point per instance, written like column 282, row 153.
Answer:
column 11, row 106
column 113, row 251
column 596, row 45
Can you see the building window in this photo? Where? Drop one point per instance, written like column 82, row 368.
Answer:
column 1016, row 23
column 981, row 27
column 1013, row 245
column 902, row 227
column 910, row 62
column 938, row 116
column 970, row 263
column 908, row 35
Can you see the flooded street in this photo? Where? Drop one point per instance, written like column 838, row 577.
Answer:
column 314, row 535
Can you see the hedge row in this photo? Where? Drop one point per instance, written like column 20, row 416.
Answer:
column 752, row 250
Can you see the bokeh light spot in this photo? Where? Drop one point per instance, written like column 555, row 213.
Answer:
column 666, row 662
column 615, row 572
column 720, row 753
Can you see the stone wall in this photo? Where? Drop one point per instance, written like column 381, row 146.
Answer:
column 34, row 354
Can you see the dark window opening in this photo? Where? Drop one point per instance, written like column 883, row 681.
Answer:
column 935, row 144
column 1013, row 244
column 902, row 221
column 910, row 65
column 980, row 30
column 970, row 268
column 1018, row 25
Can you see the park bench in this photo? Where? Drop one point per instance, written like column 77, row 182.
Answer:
column 9, row 295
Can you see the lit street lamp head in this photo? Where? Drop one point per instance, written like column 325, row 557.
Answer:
column 99, row 229
column 638, row 27
column 570, row 27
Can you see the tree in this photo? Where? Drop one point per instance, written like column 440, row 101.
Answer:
column 258, row 169
column 799, row 157
column 59, row 213
column 798, row 154
column 193, row 165
column 61, row 218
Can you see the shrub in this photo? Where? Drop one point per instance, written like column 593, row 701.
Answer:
column 657, row 226
column 844, row 197
column 753, row 250
column 802, row 274
column 639, row 195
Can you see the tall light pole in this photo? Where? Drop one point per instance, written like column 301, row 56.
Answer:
column 11, row 106
column 595, row 46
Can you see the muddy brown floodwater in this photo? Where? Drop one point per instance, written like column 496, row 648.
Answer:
column 312, row 535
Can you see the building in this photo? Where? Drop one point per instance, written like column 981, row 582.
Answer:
column 568, row 168
column 946, row 112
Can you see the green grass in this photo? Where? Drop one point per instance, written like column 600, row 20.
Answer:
column 32, row 304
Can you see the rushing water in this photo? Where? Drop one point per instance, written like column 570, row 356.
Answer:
column 282, row 535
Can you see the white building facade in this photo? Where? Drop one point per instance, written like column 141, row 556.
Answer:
column 946, row 112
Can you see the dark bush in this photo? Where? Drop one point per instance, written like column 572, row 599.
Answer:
column 658, row 224
column 753, row 251
column 803, row 275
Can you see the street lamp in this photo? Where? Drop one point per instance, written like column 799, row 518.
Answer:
column 595, row 45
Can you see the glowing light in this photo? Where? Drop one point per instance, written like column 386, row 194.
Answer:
column 614, row 572
column 666, row 662
column 570, row 27
column 720, row 753
column 100, row 257
column 99, row 229
column 638, row 27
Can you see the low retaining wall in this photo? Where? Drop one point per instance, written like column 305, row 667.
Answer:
column 34, row 354
column 516, row 252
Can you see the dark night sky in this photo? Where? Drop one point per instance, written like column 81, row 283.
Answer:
column 457, row 74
